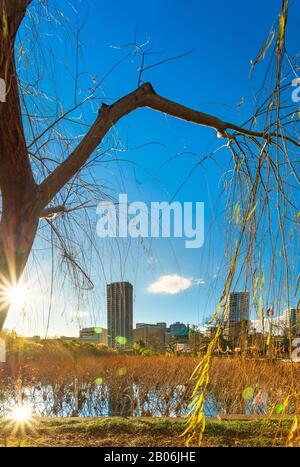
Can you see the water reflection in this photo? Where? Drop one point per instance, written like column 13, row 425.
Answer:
column 98, row 400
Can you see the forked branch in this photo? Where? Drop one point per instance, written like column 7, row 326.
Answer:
column 108, row 116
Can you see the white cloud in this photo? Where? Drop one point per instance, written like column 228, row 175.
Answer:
column 173, row 284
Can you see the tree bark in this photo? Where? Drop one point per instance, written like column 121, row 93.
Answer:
column 19, row 217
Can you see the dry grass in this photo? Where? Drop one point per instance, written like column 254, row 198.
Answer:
column 160, row 385
column 229, row 377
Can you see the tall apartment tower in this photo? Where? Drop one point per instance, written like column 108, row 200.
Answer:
column 292, row 321
column 119, row 314
column 237, row 317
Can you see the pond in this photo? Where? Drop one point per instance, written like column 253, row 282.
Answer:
column 90, row 400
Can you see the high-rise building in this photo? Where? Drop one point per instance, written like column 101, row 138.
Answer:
column 237, row 317
column 292, row 321
column 119, row 314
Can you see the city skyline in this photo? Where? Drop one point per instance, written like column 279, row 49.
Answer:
column 177, row 286
column 231, row 318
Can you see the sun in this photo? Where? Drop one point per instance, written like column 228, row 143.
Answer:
column 21, row 413
column 16, row 295
column 21, row 419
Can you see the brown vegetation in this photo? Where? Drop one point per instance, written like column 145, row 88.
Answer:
column 65, row 379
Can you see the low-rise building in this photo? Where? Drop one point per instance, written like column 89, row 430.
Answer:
column 68, row 338
column 257, row 341
column 153, row 335
column 94, row 335
column 211, row 331
column 179, row 332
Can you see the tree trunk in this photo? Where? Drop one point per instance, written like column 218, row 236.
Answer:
column 20, row 214
column 17, row 232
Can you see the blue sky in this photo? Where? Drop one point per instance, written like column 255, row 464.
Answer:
column 155, row 152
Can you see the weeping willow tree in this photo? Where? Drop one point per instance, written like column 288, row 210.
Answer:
column 263, row 219
column 261, row 187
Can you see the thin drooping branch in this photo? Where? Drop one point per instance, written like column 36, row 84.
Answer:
column 108, row 116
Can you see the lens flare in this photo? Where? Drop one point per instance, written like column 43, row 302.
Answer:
column 247, row 393
column 21, row 413
column 13, row 294
column 121, row 340
column 16, row 295
column 21, row 419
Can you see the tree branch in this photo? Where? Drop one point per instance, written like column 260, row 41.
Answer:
column 51, row 213
column 108, row 116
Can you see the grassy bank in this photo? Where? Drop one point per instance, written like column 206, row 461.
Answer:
column 151, row 432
